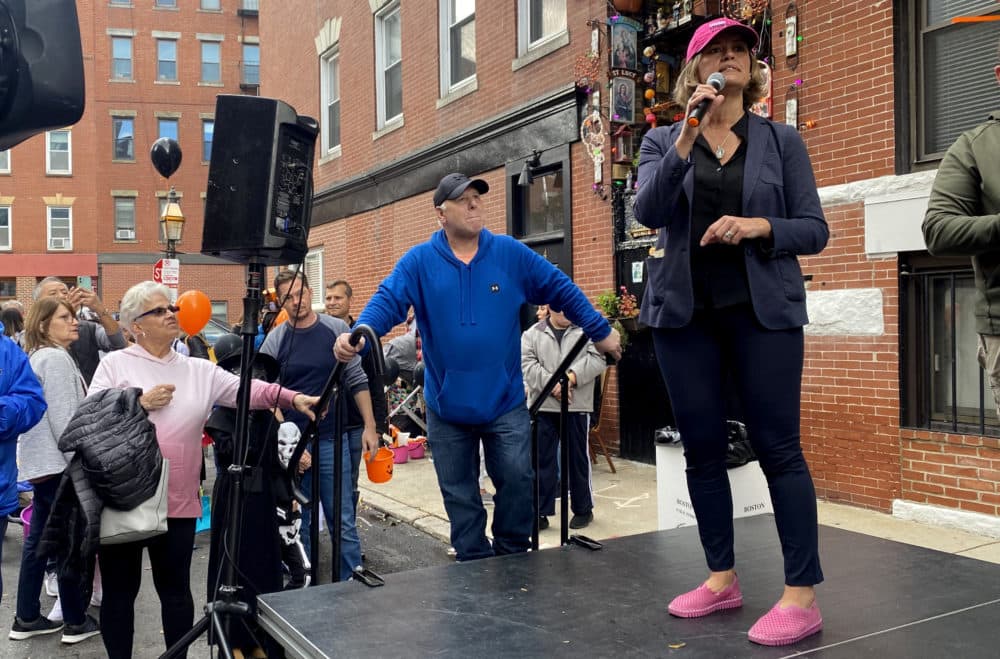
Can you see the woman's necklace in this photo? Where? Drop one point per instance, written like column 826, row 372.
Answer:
column 720, row 151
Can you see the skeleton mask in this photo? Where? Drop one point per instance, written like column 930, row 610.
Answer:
column 288, row 438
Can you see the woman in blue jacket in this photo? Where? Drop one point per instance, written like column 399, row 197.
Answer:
column 735, row 202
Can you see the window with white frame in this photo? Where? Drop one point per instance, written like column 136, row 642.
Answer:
column 314, row 275
column 124, row 218
column 458, row 42
column 167, row 127
column 166, row 60
column 211, row 61
column 250, row 70
column 388, row 64
column 220, row 311
column 207, row 135
column 5, row 238
column 60, row 228
column 58, row 152
column 121, row 58
column 211, row 5
column 538, row 21
column 330, row 90
column 123, row 138
column 166, row 4
column 5, row 162
column 941, row 50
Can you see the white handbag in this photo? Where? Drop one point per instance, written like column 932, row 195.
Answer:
column 146, row 520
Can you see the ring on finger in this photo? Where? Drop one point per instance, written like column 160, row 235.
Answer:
column 728, row 235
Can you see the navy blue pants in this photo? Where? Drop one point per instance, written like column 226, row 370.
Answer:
column 580, row 497
column 765, row 367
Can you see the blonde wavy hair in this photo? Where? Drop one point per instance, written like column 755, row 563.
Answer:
column 687, row 81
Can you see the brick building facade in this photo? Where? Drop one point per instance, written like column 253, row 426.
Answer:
column 893, row 412
column 86, row 201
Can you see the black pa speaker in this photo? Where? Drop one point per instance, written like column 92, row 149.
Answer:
column 41, row 68
column 258, row 202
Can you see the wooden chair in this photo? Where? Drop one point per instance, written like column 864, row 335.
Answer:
column 596, row 439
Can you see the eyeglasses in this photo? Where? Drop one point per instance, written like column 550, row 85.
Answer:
column 157, row 311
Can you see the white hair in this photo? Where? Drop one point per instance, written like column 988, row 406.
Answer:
column 136, row 298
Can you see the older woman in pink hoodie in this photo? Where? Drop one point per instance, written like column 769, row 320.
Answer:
column 179, row 393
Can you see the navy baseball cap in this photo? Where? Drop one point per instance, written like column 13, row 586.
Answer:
column 453, row 185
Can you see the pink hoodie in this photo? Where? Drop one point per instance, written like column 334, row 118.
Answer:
column 200, row 385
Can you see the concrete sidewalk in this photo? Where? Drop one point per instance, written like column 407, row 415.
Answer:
column 625, row 504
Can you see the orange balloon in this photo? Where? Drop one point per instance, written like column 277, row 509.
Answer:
column 194, row 310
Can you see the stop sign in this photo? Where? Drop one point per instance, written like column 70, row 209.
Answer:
column 158, row 272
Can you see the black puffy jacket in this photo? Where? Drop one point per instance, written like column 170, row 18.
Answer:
column 117, row 463
column 113, row 435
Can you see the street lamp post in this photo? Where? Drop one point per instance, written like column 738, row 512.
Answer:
column 166, row 157
column 172, row 223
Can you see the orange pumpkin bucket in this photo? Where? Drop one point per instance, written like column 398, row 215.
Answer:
column 379, row 468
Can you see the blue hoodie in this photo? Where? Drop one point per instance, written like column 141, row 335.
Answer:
column 469, row 319
column 22, row 405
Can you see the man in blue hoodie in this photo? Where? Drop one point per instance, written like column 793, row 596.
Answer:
column 22, row 405
column 467, row 286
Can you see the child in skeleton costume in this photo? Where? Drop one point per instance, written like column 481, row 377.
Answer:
column 289, row 516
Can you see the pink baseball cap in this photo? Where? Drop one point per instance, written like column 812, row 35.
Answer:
column 711, row 29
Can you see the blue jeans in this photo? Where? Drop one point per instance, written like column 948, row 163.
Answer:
column 507, row 445
column 3, row 532
column 354, row 440
column 29, row 581
column 350, row 542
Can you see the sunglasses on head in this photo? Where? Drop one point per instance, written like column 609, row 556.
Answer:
column 157, row 311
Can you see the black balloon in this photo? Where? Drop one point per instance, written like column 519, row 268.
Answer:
column 166, row 156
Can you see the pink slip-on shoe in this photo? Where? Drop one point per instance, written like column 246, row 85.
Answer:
column 784, row 626
column 701, row 601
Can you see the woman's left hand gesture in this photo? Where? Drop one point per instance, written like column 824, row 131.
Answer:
column 730, row 230
column 305, row 404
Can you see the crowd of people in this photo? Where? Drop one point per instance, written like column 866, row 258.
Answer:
column 735, row 203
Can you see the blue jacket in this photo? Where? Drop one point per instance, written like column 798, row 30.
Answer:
column 22, row 405
column 469, row 320
column 778, row 184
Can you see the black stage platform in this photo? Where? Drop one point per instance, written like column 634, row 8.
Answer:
column 880, row 599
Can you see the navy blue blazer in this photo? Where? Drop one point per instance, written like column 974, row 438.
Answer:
column 778, row 184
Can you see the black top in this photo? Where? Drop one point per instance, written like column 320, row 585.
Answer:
column 718, row 271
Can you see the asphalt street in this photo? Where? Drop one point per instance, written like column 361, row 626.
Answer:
column 389, row 545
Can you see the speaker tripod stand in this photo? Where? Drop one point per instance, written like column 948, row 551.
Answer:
column 228, row 609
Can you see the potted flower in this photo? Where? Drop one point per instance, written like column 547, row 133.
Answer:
column 621, row 308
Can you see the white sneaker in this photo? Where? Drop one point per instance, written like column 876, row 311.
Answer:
column 55, row 615
column 51, row 584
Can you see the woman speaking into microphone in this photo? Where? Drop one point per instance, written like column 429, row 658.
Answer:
column 734, row 199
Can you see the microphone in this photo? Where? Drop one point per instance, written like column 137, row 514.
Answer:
column 718, row 81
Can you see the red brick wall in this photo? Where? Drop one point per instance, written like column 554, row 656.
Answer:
column 846, row 71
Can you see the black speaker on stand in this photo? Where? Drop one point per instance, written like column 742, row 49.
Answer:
column 257, row 211
column 258, row 201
